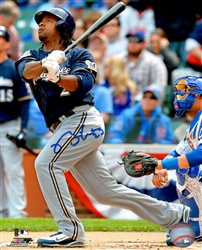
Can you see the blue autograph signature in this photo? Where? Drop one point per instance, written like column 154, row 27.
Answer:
column 96, row 133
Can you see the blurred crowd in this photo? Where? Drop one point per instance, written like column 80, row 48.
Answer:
column 146, row 47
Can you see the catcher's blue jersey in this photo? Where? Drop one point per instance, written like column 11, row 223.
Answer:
column 193, row 137
column 13, row 91
column 189, row 181
column 47, row 94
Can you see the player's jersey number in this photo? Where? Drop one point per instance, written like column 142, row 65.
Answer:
column 6, row 95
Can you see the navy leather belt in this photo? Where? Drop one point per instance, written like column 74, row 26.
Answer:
column 60, row 119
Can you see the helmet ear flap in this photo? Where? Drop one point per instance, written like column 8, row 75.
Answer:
column 62, row 28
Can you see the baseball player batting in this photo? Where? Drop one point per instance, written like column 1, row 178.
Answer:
column 78, row 131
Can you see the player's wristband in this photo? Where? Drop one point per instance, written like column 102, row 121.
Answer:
column 23, row 130
column 59, row 78
column 170, row 163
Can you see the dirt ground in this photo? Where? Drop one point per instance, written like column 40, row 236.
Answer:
column 104, row 241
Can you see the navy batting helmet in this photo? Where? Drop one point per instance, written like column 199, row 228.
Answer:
column 65, row 25
column 4, row 33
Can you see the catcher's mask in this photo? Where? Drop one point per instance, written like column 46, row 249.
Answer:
column 187, row 89
column 65, row 25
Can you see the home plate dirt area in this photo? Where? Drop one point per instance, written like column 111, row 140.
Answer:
column 103, row 241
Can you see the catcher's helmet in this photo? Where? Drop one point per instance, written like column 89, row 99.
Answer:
column 65, row 25
column 187, row 89
column 4, row 33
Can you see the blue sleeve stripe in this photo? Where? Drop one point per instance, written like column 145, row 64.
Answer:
column 191, row 159
column 170, row 163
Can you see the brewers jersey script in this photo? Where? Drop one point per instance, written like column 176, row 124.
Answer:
column 79, row 63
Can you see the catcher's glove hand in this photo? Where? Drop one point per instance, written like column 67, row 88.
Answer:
column 137, row 166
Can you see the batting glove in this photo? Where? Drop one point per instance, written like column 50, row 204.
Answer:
column 53, row 73
column 56, row 55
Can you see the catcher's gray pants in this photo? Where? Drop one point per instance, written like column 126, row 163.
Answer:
column 74, row 147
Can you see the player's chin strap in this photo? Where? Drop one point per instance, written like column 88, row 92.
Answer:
column 189, row 186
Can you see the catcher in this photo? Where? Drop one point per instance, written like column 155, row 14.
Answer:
column 186, row 158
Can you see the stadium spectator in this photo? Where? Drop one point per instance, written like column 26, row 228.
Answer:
column 77, row 8
column 9, row 13
column 143, row 123
column 80, row 29
column 176, row 17
column 97, row 44
column 91, row 17
column 158, row 44
column 103, row 100
column 102, row 96
column 117, row 44
column 130, row 18
column 193, row 47
column 141, row 19
column 23, row 4
column 144, row 67
column 116, row 78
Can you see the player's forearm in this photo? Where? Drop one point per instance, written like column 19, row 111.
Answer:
column 191, row 159
column 32, row 70
column 68, row 82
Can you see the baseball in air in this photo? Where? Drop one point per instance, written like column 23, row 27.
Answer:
column 182, row 235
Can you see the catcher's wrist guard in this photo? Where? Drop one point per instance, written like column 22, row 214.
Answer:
column 137, row 166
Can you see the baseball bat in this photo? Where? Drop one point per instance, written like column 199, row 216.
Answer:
column 24, row 146
column 108, row 16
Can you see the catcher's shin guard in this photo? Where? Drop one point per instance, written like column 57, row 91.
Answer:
column 189, row 189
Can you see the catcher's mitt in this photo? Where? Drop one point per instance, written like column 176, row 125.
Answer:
column 137, row 166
